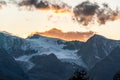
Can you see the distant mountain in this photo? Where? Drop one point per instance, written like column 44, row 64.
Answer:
column 9, row 68
column 69, row 36
column 108, row 67
column 96, row 49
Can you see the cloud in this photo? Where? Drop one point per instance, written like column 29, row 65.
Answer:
column 84, row 13
column 87, row 12
column 38, row 4
column 2, row 3
column 69, row 36
column 35, row 3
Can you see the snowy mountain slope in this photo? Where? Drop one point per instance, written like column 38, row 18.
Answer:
column 34, row 56
column 7, row 41
column 25, row 49
column 45, row 45
column 83, row 54
column 14, row 44
column 50, row 45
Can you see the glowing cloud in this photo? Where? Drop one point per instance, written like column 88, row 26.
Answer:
column 69, row 36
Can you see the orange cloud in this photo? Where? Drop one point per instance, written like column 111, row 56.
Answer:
column 117, row 17
column 69, row 36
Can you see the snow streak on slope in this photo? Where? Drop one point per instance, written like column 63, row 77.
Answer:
column 48, row 46
column 45, row 45
column 24, row 49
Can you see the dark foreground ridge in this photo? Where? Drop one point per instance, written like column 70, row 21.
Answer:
column 9, row 68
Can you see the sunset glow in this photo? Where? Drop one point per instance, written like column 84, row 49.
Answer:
column 69, row 36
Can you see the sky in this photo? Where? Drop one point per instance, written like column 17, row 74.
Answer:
column 23, row 22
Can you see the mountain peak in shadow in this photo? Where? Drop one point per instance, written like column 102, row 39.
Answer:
column 95, row 49
column 109, row 66
column 97, row 37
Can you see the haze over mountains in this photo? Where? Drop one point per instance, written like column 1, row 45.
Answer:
column 48, row 58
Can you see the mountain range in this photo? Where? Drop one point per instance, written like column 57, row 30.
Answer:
column 43, row 58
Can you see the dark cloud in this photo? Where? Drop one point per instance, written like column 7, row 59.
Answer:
column 43, row 4
column 55, row 6
column 85, row 12
column 106, row 13
column 86, row 8
column 35, row 3
column 2, row 3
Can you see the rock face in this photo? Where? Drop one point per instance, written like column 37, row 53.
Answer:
column 95, row 49
column 49, row 67
column 108, row 67
column 9, row 69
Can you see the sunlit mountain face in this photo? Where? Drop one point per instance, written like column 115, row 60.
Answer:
column 77, row 20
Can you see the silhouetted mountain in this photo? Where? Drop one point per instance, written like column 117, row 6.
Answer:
column 9, row 68
column 108, row 67
column 95, row 49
